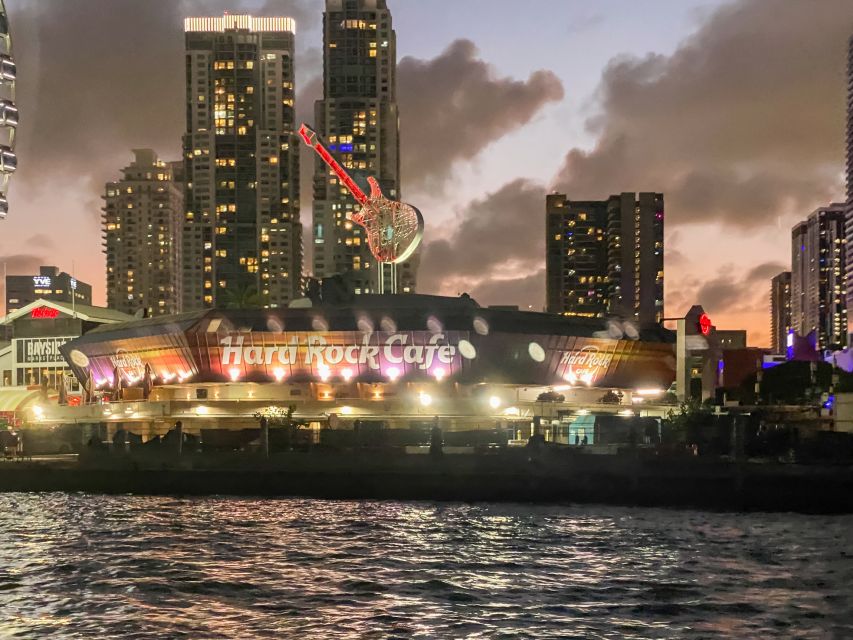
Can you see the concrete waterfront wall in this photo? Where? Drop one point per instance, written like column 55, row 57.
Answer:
column 523, row 475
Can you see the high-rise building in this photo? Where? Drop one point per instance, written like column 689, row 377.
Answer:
column 358, row 119
column 49, row 284
column 818, row 287
column 606, row 256
column 849, row 148
column 142, row 225
column 780, row 311
column 578, row 283
column 242, row 239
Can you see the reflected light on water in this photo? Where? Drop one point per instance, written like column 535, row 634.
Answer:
column 130, row 566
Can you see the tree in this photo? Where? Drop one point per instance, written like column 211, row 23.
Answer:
column 612, row 397
column 243, row 297
column 551, row 396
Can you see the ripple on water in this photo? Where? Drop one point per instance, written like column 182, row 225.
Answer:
column 80, row 566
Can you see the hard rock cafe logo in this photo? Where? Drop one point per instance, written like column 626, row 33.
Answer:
column 394, row 349
column 129, row 363
column 585, row 365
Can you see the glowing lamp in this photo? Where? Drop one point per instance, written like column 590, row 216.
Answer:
column 425, row 399
column 201, row 410
column 439, row 374
column 346, row 410
column 234, row 374
column 346, row 374
column 324, row 372
column 393, row 373
column 494, row 402
column 278, row 373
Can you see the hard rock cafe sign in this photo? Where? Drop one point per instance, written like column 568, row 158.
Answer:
column 372, row 352
column 585, row 365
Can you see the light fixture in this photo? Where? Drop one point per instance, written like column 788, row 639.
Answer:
column 278, row 372
column 425, row 399
column 494, row 402
column 234, row 374
column 393, row 373
column 346, row 410
column 346, row 374
column 201, row 410
column 324, row 372
column 439, row 374
column 649, row 392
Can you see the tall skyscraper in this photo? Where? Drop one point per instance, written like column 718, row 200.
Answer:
column 818, row 287
column 606, row 256
column 358, row 119
column 142, row 226
column 578, row 283
column 780, row 311
column 242, row 236
column 849, row 148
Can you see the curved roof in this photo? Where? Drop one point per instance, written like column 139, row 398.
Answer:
column 407, row 312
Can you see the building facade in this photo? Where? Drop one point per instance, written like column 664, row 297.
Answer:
column 36, row 331
column 578, row 283
column 780, row 311
column 606, row 257
column 49, row 284
column 731, row 338
column 242, row 239
column 358, row 120
column 142, row 229
column 818, row 287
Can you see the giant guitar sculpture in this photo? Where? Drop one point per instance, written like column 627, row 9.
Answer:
column 394, row 229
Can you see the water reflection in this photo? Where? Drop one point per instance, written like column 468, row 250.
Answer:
column 87, row 566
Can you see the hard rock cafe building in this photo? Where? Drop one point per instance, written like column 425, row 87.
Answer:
column 394, row 361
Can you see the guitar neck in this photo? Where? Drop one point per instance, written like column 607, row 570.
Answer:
column 313, row 141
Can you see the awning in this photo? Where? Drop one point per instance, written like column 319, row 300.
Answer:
column 17, row 398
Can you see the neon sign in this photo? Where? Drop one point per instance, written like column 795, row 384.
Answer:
column 394, row 229
column 394, row 349
column 704, row 324
column 41, row 313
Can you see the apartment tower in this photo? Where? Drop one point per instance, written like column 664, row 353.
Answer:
column 358, row 120
column 780, row 311
column 142, row 217
column 242, row 236
column 818, row 287
column 605, row 257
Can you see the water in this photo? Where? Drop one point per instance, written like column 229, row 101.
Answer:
column 82, row 566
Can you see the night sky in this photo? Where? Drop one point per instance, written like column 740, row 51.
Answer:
column 734, row 110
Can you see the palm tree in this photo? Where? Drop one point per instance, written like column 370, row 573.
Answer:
column 243, row 297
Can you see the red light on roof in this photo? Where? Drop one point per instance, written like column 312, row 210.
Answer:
column 44, row 313
column 704, row 324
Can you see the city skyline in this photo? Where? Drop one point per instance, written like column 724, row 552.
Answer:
column 493, row 169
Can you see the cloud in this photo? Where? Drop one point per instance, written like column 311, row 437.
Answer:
column 526, row 291
column 84, row 107
column 498, row 237
column 741, row 124
column 453, row 106
column 731, row 290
